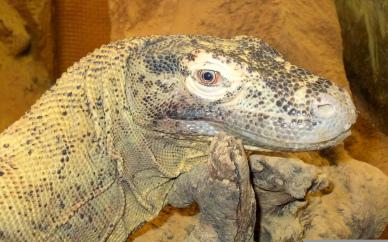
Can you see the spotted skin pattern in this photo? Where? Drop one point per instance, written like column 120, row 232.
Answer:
column 96, row 156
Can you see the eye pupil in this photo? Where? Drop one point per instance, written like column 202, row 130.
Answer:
column 208, row 76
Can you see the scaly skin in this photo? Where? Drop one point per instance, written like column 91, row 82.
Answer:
column 98, row 153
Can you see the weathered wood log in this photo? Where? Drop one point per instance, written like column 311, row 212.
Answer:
column 295, row 200
column 223, row 192
column 300, row 201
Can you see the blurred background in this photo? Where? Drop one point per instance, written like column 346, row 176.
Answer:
column 343, row 40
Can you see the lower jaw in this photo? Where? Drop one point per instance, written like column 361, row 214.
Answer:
column 252, row 142
column 268, row 145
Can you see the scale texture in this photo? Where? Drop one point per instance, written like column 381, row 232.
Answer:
column 98, row 154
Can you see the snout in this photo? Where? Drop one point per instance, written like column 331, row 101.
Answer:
column 334, row 114
column 326, row 108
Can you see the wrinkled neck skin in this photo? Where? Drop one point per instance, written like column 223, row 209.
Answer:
column 147, row 161
column 122, row 124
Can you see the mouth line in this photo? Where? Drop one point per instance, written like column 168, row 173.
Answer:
column 254, row 142
column 294, row 146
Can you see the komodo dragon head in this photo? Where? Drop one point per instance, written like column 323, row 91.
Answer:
column 196, row 86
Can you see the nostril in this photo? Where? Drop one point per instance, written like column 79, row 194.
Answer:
column 324, row 110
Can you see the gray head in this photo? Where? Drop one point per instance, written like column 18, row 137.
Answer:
column 201, row 85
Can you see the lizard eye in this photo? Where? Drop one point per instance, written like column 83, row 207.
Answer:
column 209, row 77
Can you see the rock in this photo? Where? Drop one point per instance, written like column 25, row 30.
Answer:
column 14, row 38
column 364, row 25
column 26, row 56
column 80, row 27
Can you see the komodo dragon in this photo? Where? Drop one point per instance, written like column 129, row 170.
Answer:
column 99, row 152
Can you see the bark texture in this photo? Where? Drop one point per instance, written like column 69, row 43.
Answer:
column 223, row 192
column 298, row 201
